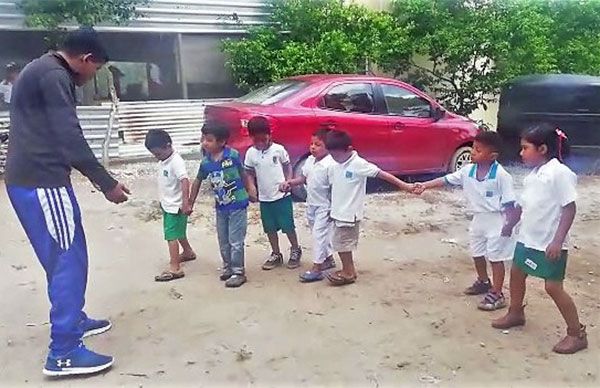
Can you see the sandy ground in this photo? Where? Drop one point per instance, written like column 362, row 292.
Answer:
column 404, row 323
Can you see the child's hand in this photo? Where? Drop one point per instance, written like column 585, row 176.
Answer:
column 418, row 188
column 506, row 231
column 554, row 250
column 285, row 187
column 187, row 209
column 253, row 195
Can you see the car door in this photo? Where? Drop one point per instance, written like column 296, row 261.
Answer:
column 419, row 141
column 351, row 107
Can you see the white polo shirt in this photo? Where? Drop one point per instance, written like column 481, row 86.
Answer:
column 349, row 188
column 546, row 190
column 318, row 189
column 491, row 194
column 268, row 165
column 170, row 174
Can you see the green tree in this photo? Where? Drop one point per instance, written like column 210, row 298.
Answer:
column 50, row 14
column 316, row 36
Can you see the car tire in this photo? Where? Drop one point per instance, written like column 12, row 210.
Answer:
column 461, row 158
column 299, row 192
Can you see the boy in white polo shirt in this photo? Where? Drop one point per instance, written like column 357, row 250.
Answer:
column 315, row 174
column 490, row 192
column 174, row 193
column 348, row 178
column 269, row 164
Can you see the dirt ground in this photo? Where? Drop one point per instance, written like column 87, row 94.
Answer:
column 404, row 323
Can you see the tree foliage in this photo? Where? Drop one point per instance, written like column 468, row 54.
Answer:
column 50, row 14
column 460, row 51
column 315, row 36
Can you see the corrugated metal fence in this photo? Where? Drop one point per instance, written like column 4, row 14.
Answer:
column 182, row 119
column 95, row 125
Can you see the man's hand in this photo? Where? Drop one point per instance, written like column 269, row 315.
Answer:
column 118, row 194
column 554, row 250
column 418, row 188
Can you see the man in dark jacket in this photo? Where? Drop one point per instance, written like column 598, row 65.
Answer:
column 46, row 142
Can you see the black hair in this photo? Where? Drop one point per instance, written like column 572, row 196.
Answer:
column 259, row 125
column 322, row 133
column 490, row 139
column 85, row 41
column 218, row 130
column 551, row 136
column 338, row 141
column 157, row 138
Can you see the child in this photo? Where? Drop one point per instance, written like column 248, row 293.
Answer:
column 173, row 188
column 348, row 178
column 269, row 164
column 315, row 176
column 490, row 192
column 548, row 209
column 222, row 166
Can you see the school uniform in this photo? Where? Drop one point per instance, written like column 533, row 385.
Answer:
column 487, row 198
column 318, row 201
column 546, row 191
column 276, row 208
column 170, row 174
column 348, row 194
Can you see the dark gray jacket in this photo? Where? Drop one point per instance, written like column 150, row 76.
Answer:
column 46, row 140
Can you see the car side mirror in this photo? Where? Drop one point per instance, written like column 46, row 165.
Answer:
column 438, row 113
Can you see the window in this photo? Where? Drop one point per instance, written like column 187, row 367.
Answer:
column 356, row 98
column 401, row 102
column 272, row 93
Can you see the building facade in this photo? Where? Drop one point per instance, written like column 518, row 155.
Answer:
column 171, row 51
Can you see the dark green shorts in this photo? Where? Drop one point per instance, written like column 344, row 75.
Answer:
column 175, row 226
column 535, row 263
column 278, row 215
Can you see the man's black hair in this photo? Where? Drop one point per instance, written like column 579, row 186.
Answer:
column 259, row 125
column 157, row 138
column 490, row 139
column 85, row 41
column 338, row 141
column 218, row 130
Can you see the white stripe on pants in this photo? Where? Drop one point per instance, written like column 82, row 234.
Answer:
column 321, row 227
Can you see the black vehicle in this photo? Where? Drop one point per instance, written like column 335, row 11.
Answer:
column 571, row 102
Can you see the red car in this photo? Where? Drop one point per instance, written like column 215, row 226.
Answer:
column 392, row 124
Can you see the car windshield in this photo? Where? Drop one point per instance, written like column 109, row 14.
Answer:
column 272, row 93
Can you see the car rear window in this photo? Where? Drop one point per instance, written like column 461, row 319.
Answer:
column 272, row 93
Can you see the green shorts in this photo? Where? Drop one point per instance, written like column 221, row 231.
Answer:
column 278, row 215
column 535, row 263
column 175, row 226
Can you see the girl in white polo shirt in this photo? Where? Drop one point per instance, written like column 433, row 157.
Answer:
column 548, row 210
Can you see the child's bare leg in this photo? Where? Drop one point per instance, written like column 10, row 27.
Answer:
column 498, row 273
column 565, row 304
column 348, row 269
column 187, row 248
column 174, row 264
column 481, row 268
column 517, row 287
column 293, row 237
column 274, row 241
column 576, row 338
column 516, row 313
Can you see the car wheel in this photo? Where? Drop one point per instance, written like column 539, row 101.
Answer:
column 461, row 158
column 299, row 192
